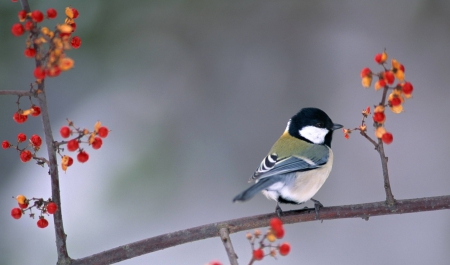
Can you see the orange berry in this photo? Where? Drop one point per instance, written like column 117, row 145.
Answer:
column 21, row 199
column 37, row 16
column 82, row 157
column 258, row 254
column 285, row 248
column 6, row 144
column 25, row 156
column 17, row 29
column 36, row 111
column 19, row 118
column 72, row 145
column 39, row 72
column 16, row 213
column 365, row 72
column 387, row 138
column 36, row 140
column 103, row 132
column 65, row 132
column 42, row 223
column 51, row 13
column 75, row 42
column 51, row 207
column 389, row 77
column 407, row 88
column 379, row 117
column 21, row 137
column 276, row 223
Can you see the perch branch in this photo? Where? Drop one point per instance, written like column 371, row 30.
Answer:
column 363, row 211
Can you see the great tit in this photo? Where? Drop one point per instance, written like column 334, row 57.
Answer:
column 298, row 163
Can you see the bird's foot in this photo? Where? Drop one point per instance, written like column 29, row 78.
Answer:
column 278, row 210
column 317, row 206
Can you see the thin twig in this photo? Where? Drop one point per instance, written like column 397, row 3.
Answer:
column 363, row 133
column 363, row 211
column 225, row 236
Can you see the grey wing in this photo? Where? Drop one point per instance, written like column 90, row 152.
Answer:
column 271, row 166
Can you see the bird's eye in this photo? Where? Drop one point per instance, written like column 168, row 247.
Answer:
column 319, row 125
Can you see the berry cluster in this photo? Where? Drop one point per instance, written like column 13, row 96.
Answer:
column 47, row 46
column 398, row 93
column 94, row 139
column 35, row 140
column 275, row 232
column 44, row 206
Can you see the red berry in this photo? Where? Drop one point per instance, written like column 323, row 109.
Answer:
column 76, row 42
column 37, row 16
column 51, row 13
column 16, row 213
column 402, row 67
column 23, row 205
column 82, row 157
column 97, row 143
column 36, row 111
column 382, row 83
column 29, row 25
column 51, row 207
column 30, row 52
column 75, row 13
column 276, row 223
column 42, row 223
column 72, row 145
column 17, row 29
column 39, row 72
column 25, row 156
column 387, row 138
column 21, row 137
column 215, row 263
column 19, row 118
column 22, row 15
column 379, row 117
column 365, row 72
column 379, row 58
column 284, row 249
column 395, row 101
column 103, row 132
column 14, row 1
column 6, row 144
column 70, row 162
column 389, row 77
column 53, row 71
column 279, row 233
column 407, row 88
column 36, row 141
column 258, row 254
column 74, row 26
column 65, row 132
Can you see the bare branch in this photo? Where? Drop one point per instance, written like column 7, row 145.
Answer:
column 363, row 211
column 225, row 236
column 20, row 93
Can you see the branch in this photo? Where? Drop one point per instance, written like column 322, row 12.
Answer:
column 61, row 247
column 363, row 211
column 225, row 236
column 20, row 93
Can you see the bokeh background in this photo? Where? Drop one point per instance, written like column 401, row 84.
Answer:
column 195, row 92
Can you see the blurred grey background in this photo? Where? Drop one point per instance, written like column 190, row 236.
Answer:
column 194, row 91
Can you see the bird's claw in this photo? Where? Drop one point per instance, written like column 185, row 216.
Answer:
column 278, row 211
column 317, row 206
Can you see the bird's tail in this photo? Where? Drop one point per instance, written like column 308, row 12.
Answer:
column 257, row 187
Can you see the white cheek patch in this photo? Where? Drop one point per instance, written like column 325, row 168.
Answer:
column 314, row 134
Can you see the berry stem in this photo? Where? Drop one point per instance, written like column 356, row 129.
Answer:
column 61, row 247
column 226, row 240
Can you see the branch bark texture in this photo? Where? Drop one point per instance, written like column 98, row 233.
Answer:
column 364, row 211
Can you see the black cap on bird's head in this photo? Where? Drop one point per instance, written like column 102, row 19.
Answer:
column 312, row 125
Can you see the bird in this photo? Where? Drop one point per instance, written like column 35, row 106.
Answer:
column 299, row 162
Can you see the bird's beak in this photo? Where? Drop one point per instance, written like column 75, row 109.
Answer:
column 337, row 126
